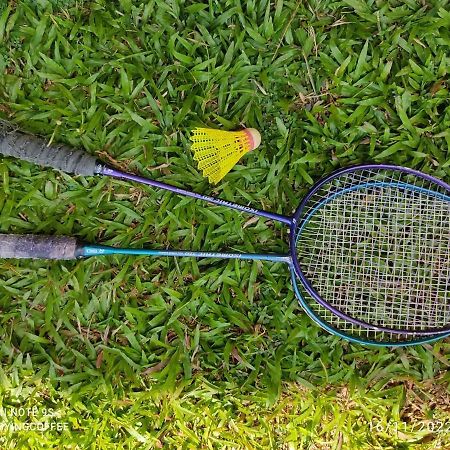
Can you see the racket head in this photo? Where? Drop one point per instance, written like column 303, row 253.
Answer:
column 344, row 329
column 369, row 243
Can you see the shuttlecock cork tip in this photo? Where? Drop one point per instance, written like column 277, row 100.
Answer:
column 254, row 137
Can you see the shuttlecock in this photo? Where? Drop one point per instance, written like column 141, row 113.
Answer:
column 217, row 151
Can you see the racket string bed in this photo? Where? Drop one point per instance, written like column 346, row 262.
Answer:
column 381, row 338
column 379, row 252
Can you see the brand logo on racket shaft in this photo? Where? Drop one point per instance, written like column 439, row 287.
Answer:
column 234, row 205
column 94, row 251
column 100, row 251
column 211, row 254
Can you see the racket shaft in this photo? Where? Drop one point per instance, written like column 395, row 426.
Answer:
column 97, row 250
column 109, row 171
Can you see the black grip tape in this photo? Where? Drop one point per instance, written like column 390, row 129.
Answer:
column 38, row 247
column 35, row 150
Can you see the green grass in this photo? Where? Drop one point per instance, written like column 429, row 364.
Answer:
column 156, row 353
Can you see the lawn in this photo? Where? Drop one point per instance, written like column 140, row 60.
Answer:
column 136, row 352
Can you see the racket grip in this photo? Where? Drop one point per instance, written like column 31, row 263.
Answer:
column 35, row 150
column 31, row 246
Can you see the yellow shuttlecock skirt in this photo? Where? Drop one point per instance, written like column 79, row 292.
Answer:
column 217, row 151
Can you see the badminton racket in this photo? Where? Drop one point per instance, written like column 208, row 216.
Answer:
column 67, row 248
column 368, row 243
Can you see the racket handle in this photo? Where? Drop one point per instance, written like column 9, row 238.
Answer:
column 33, row 246
column 35, row 150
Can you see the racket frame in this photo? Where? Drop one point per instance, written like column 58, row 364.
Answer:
column 295, row 235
